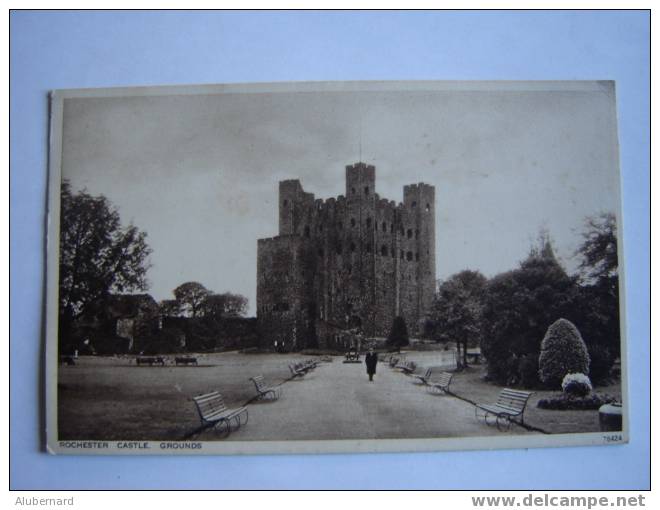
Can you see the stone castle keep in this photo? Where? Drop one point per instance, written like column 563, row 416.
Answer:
column 351, row 262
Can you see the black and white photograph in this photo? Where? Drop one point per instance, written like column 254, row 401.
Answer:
column 334, row 267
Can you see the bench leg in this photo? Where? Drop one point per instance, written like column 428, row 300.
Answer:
column 503, row 423
column 223, row 426
column 482, row 414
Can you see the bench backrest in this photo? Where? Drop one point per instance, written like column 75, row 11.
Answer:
column 443, row 379
column 515, row 399
column 209, row 403
column 259, row 382
column 428, row 373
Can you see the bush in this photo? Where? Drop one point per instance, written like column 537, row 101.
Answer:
column 398, row 336
column 562, row 352
column 602, row 360
column 528, row 368
column 576, row 385
column 564, row 403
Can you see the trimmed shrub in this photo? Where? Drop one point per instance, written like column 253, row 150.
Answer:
column 562, row 352
column 576, row 385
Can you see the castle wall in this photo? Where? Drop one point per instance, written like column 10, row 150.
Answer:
column 351, row 261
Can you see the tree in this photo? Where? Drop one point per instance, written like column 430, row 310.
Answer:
column 519, row 306
column 457, row 309
column 398, row 336
column 562, row 352
column 598, row 272
column 224, row 305
column 97, row 256
column 600, row 261
column 191, row 297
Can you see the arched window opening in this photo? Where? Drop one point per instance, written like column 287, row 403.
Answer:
column 409, row 233
column 409, row 256
column 414, row 204
column 416, row 233
column 368, row 222
column 383, row 250
column 366, row 190
column 352, row 222
column 352, row 247
column 285, row 203
column 428, row 207
column 306, row 231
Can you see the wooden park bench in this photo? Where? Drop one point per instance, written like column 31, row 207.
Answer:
column 473, row 356
column 297, row 370
column 185, row 360
column 213, row 411
column 406, row 367
column 510, row 404
column 264, row 391
column 424, row 378
column 150, row 360
column 440, row 383
column 309, row 364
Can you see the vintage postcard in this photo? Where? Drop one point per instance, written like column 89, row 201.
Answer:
column 335, row 267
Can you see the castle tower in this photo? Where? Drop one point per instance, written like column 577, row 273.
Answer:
column 419, row 201
column 361, row 211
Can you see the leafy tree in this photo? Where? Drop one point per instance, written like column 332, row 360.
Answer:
column 225, row 305
column 600, row 261
column 191, row 297
column 457, row 309
column 600, row 293
column 519, row 306
column 97, row 256
column 398, row 336
column 562, row 352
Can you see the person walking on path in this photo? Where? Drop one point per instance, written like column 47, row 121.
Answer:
column 371, row 360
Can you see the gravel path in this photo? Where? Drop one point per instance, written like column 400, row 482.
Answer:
column 337, row 401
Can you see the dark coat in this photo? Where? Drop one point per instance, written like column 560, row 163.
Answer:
column 371, row 360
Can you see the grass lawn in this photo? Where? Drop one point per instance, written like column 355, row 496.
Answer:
column 471, row 386
column 110, row 398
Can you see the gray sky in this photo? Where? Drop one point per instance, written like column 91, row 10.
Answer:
column 199, row 173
